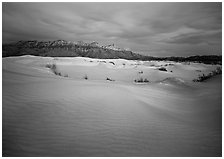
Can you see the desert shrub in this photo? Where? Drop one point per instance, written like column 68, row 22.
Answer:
column 109, row 79
column 204, row 77
column 162, row 69
column 57, row 73
column 140, row 72
column 141, row 80
column 53, row 68
column 86, row 77
column 218, row 71
column 49, row 65
column 112, row 62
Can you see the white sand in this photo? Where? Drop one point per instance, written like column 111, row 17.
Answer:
column 49, row 115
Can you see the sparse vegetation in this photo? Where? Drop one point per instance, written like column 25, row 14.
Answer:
column 140, row 72
column 112, row 62
column 86, row 77
column 49, row 65
column 109, row 79
column 53, row 68
column 162, row 69
column 141, row 80
column 204, row 77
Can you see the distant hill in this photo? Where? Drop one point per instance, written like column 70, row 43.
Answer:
column 62, row 48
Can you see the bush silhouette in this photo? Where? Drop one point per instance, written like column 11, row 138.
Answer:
column 140, row 72
column 112, row 62
column 162, row 69
column 141, row 80
column 204, row 77
column 53, row 68
column 108, row 79
column 86, row 77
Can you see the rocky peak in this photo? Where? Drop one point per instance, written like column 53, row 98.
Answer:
column 64, row 43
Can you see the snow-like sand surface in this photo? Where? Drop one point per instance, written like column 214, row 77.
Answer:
column 49, row 115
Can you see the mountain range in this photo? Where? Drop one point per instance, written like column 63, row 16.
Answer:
column 62, row 48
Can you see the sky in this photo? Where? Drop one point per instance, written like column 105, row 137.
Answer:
column 149, row 28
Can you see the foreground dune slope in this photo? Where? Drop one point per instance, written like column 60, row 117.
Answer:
column 49, row 115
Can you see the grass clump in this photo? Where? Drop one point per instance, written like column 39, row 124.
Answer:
column 54, row 69
column 141, row 80
column 85, row 77
column 112, row 62
column 162, row 69
column 140, row 72
column 109, row 79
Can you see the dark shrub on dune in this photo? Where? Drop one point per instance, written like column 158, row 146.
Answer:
column 141, row 80
column 204, row 77
column 162, row 69
column 86, row 77
column 140, row 72
column 53, row 68
column 112, row 62
column 109, row 79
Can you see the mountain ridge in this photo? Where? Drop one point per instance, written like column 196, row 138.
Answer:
column 63, row 48
column 67, row 48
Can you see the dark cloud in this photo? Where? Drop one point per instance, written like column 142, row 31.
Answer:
column 150, row 28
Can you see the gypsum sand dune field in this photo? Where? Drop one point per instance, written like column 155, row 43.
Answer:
column 67, row 115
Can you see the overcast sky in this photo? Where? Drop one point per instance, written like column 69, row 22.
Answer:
column 158, row 29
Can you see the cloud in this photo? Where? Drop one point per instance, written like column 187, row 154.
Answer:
column 196, row 38
column 150, row 28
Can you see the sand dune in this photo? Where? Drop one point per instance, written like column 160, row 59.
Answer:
column 49, row 115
